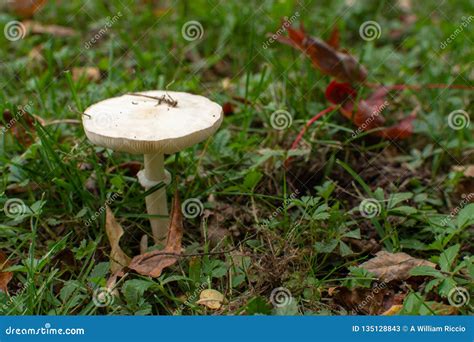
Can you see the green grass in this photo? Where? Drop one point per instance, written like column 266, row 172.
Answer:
column 318, row 235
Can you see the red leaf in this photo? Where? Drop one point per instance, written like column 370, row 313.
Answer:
column 367, row 113
column 334, row 38
column 325, row 57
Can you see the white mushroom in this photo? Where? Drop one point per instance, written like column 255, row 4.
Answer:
column 152, row 123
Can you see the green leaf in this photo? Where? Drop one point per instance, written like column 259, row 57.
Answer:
column 360, row 277
column 432, row 284
column 258, row 305
column 413, row 244
column 447, row 258
column 344, row 249
column 379, row 194
column 251, row 179
column 321, row 213
column 134, row 289
column 355, row 234
column 394, row 199
column 99, row 272
column 466, row 216
column 446, row 286
column 404, row 209
column 426, row 271
column 328, row 247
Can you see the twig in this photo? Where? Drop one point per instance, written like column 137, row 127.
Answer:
column 168, row 100
column 177, row 255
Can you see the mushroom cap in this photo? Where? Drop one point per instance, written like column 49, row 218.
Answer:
column 139, row 124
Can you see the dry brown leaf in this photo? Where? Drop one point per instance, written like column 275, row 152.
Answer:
column 35, row 56
column 394, row 309
column 118, row 258
column 25, row 132
column 54, row 30
column 153, row 263
column 213, row 299
column 468, row 170
column 5, row 277
column 25, row 8
column 393, row 266
column 370, row 301
column 443, row 309
column 91, row 74
column 331, row 290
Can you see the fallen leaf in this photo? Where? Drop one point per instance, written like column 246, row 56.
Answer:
column 152, row 263
column 467, row 171
column 443, row 309
column 24, row 132
column 118, row 258
column 143, row 244
column 334, row 38
column 366, row 114
column 91, row 74
column 5, row 277
column 212, row 299
column 228, row 108
column 325, row 57
column 35, row 27
column 331, row 290
column 393, row 266
column 25, row 8
column 371, row 301
column 394, row 309
column 35, row 56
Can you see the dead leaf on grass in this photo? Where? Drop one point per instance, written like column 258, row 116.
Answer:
column 5, row 277
column 25, row 8
column 35, row 27
column 24, row 132
column 153, row 263
column 371, row 301
column 393, row 266
column 394, row 310
column 91, row 74
column 118, row 258
column 467, row 171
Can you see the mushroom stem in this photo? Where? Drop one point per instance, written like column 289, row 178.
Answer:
column 156, row 203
